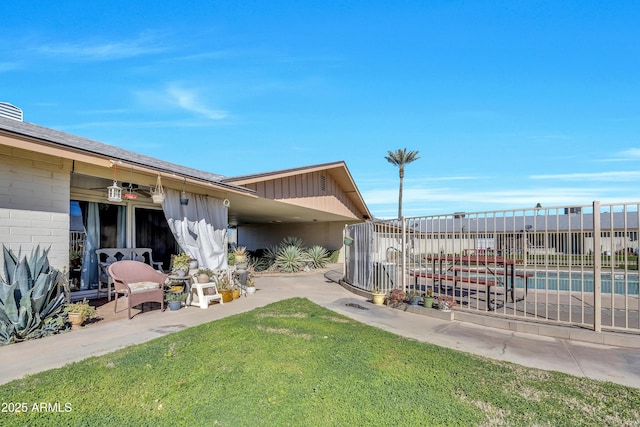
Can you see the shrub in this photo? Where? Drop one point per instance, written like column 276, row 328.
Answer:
column 29, row 306
column 317, row 256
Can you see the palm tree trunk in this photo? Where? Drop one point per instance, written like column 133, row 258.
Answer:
column 400, row 193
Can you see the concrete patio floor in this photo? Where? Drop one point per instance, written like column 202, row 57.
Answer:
column 615, row 363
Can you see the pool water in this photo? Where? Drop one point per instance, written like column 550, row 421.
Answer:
column 582, row 282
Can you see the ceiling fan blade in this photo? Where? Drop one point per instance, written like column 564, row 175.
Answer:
column 145, row 193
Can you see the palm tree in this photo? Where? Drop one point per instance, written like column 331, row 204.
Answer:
column 400, row 158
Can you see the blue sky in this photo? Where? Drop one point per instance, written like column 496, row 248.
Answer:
column 510, row 103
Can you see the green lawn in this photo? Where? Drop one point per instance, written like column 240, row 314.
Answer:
column 295, row 363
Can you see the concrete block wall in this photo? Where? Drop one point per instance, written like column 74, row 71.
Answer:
column 34, row 203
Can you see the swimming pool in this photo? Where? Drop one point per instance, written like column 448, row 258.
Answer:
column 581, row 282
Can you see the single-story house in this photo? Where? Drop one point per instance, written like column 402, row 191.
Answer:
column 75, row 195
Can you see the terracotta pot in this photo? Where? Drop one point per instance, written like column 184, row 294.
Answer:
column 76, row 320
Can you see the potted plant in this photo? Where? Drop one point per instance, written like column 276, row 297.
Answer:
column 378, row 296
column 180, row 264
column 251, row 286
column 224, row 285
column 175, row 300
column 396, row 296
column 413, row 296
column 204, row 275
column 240, row 257
column 157, row 195
column 79, row 312
column 235, row 292
column 445, row 302
column 428, row 299
column 75, row 257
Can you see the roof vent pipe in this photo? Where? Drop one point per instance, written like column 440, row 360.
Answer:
column 10, row 111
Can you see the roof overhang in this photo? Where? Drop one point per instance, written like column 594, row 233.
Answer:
column 338, row 171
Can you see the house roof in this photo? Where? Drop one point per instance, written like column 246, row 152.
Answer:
column 338, row 171
column 79, row 144
column 246, row 207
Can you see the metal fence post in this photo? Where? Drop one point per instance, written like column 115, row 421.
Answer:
column 597, row 269
column 404, row 254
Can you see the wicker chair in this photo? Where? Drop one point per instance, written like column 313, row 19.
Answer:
column 139, row 281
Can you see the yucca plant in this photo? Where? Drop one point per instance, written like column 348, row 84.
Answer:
column 29, row 307
column 290, row 259
column 318, row 256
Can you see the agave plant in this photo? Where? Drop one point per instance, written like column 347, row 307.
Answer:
column 291, row 259
column 292, row 241
column 318, row 256
column 270, row 254
column 29, row 306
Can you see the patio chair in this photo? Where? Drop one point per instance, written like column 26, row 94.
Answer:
column 139, row 281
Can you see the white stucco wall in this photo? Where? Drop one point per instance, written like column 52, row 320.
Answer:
column 34, row 203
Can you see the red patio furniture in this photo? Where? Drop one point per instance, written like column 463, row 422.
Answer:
column 139, row 282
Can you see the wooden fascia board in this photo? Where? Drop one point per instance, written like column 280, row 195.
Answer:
column 93, row 163
column 25, row 144
column 283, row 174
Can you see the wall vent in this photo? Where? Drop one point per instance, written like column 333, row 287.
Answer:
column 10, row 111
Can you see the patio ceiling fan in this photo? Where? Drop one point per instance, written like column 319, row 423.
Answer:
column 132, row 191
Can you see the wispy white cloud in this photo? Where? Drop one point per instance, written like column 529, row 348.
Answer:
column 514, row 197
column 421, row 201
column 628, row 155
column 134, row 124
column 188, row 100
column 104, row 51
column 633, row 153
column 111, row 111
column 9, row 66
column 175, row 96
column 592, row 176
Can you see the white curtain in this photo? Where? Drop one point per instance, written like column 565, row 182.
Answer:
column 199, row 227
column 89, row 273
column 359, row 262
